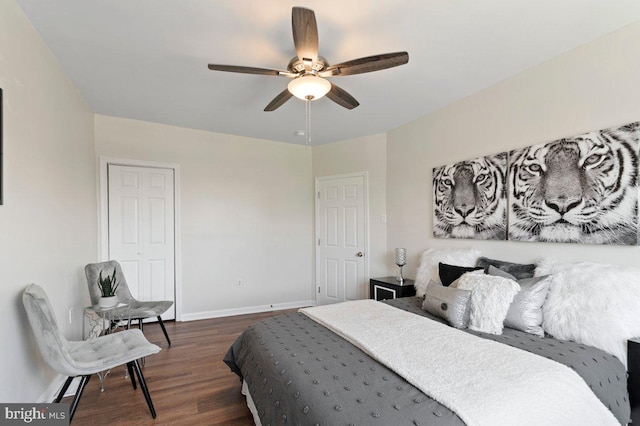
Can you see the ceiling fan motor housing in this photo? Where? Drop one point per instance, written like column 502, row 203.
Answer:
column 298, row 66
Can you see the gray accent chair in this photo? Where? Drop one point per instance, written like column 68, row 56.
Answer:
column 137, row 310
column 88, row 357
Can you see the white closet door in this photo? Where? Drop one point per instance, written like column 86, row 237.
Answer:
column 141, row 230
column 341, row 232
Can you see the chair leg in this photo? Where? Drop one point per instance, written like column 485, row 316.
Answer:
column 76, row 399
column 108, row 330
column 133, row 379
column 164, row 330
column 141, row 327
column 145, row 390
column 63, row 390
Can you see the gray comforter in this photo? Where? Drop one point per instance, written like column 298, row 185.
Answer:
column 299, row 372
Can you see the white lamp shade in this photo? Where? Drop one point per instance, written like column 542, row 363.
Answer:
column 309, row 87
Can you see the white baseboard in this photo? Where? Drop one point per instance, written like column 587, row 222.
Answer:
column 54, row 387
column 248, row 310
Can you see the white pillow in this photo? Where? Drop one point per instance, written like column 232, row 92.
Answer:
column 592, row 303
column 476, row 272
column 428, row 269
column 491, row 297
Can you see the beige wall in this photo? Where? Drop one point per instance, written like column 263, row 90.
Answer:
column 592, row 87
column 366, row 154
column 246, row 207
column 48, row 221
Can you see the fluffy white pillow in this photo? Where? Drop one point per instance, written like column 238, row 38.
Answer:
column 428, row 269
column 476, row 272
column 592, row 303
column 491, row 297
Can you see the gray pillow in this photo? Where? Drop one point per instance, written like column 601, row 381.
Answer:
column 518, row 270
column 451, row 304
column 525, row 312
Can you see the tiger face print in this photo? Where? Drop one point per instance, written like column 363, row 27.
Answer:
column 470, row 199
column 582, row 189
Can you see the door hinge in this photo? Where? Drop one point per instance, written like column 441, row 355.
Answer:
column 318, row 241
column 318, row 290
column 318, row 195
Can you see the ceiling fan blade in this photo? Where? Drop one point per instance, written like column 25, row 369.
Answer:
column 277, row 102
column 305, row 33
column 341, row 97
column 368, row 64
column 249, row 70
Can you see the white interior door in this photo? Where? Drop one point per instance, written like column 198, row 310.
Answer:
column 341, row 230
column 141, row 230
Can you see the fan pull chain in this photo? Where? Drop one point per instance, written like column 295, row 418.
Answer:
column 307, row 130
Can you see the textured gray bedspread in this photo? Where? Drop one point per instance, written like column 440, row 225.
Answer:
column 301, row 373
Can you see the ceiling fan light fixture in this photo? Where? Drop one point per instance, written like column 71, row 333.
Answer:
column 309, row 87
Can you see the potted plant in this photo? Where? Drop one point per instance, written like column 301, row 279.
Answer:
column 108, row 287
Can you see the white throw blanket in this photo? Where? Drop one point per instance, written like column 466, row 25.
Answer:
column 485, row 382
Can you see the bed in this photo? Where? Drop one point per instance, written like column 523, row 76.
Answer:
column 297, row 371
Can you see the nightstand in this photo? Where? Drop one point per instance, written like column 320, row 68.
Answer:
column 388, row 288
column 633, row 381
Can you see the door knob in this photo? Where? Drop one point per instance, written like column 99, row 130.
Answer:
column 359, row 254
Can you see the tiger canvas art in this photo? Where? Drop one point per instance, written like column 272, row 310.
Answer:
column 582, row 189
column 470, row 199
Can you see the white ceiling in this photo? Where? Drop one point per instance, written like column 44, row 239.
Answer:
column 147, row 59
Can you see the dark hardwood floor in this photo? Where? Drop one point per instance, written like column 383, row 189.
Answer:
column 188, row 382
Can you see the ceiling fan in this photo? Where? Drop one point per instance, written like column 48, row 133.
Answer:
column 309, row 70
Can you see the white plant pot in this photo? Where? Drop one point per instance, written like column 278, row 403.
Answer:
column 108, row 302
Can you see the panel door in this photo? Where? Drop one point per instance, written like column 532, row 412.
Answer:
column 340, row 232
column 141, row 230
